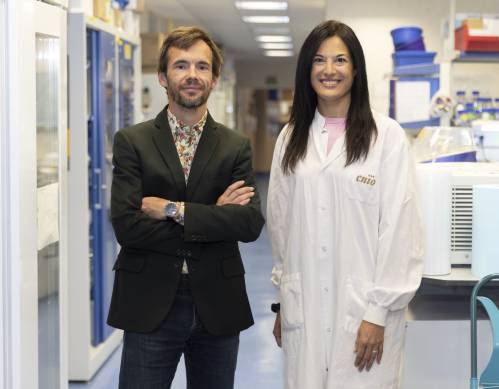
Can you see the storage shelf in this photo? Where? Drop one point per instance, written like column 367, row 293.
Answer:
column 417, row 70
column 477, row 57
column 459, row 276
column 421, row 124
column 98, row 24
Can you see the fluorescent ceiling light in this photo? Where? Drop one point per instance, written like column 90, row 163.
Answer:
column 262, row 5
column 273, row 38
column 276, row 46
column 266, row 19
column 279, row 53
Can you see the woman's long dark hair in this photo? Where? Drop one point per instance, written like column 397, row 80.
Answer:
column 360, row 125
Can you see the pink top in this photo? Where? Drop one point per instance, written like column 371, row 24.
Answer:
column 335, row 128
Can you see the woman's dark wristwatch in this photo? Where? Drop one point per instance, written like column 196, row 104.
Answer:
column 276, row 307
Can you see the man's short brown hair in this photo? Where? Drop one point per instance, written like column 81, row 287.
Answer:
column 185, row 37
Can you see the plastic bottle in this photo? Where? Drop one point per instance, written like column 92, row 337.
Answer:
column 460, row 100
column 496, row 102
column 460, row 106
column 478, row 106
column 488, row 114
column 487, row 102
column 464, row 117
column 474, row 96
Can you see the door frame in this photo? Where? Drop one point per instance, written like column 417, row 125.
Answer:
column 23, row 20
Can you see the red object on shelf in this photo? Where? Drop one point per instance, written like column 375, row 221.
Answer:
column 463, row 41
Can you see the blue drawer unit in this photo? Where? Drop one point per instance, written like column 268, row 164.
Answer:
column 101, row 64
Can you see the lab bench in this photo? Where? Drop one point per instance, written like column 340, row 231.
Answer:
column 437, row 349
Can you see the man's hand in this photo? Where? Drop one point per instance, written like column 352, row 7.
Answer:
column 237, row 194
column 369, row 345
column 277, row 329
column 154, row 207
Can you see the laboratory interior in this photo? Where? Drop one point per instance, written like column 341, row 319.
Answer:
column 75, row 72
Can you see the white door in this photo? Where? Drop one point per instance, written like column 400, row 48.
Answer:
column 34, row 221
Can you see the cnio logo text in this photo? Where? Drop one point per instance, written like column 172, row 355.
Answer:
column 369, row 180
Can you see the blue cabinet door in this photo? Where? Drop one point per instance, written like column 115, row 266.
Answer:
column 101, row 130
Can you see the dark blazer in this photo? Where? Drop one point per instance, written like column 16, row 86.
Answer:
column 148, row 268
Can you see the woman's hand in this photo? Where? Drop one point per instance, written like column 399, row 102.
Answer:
column 277, row 329
column 369, row 345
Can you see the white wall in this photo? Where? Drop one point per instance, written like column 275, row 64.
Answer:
column 254, row 73
column 373, row 20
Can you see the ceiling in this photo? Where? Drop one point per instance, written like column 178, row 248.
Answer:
column 222, row 20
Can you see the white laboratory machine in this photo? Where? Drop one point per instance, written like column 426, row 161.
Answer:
column 446, row 191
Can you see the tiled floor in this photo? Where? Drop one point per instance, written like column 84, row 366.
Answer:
column 260, row 360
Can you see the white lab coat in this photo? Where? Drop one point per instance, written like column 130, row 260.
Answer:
column 347, row 247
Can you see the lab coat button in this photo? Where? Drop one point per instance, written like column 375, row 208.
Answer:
column 324, row 249
column 326, row 290
column 328, row 329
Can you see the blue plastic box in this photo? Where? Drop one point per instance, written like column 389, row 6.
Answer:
column 409, row 57
column 403, row 35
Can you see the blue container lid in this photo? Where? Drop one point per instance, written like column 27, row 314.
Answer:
column 469, row 106
column 405, row 34
column 476, row 92
column 460, row 93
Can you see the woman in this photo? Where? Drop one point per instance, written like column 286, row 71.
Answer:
column 344, row 224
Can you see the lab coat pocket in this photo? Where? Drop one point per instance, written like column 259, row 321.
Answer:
column 291, row 301
column 356, row 303
column 362, row 187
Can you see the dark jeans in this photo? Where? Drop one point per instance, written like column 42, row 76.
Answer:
column 149, row 361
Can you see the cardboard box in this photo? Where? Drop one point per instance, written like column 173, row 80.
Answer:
column 474, row 23
column 117, row 18
column 151, row 46
column 103, row 10
column 136, row 5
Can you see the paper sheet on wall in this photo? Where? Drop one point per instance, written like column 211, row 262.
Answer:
column 412, row 101
column 48, row 215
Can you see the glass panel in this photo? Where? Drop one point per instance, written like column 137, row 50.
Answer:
column 47, row 136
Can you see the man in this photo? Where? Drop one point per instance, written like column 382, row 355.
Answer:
column 182, row 198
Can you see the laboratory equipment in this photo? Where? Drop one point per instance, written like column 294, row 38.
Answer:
column 485, row 245
column 446, row 191
column 486, row 133
column 445, row 144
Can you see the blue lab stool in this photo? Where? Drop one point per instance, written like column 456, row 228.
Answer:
column 490, row 376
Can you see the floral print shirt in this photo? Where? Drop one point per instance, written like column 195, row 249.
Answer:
column 186, row 140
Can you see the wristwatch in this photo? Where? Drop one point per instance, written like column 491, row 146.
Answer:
column 171, row 209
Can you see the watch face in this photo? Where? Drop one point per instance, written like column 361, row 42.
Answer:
column 171, row 209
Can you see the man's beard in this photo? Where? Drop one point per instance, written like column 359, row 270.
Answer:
column 187, row 102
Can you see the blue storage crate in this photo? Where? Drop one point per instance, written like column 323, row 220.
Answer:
column 403, row 35
column 404, row 58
